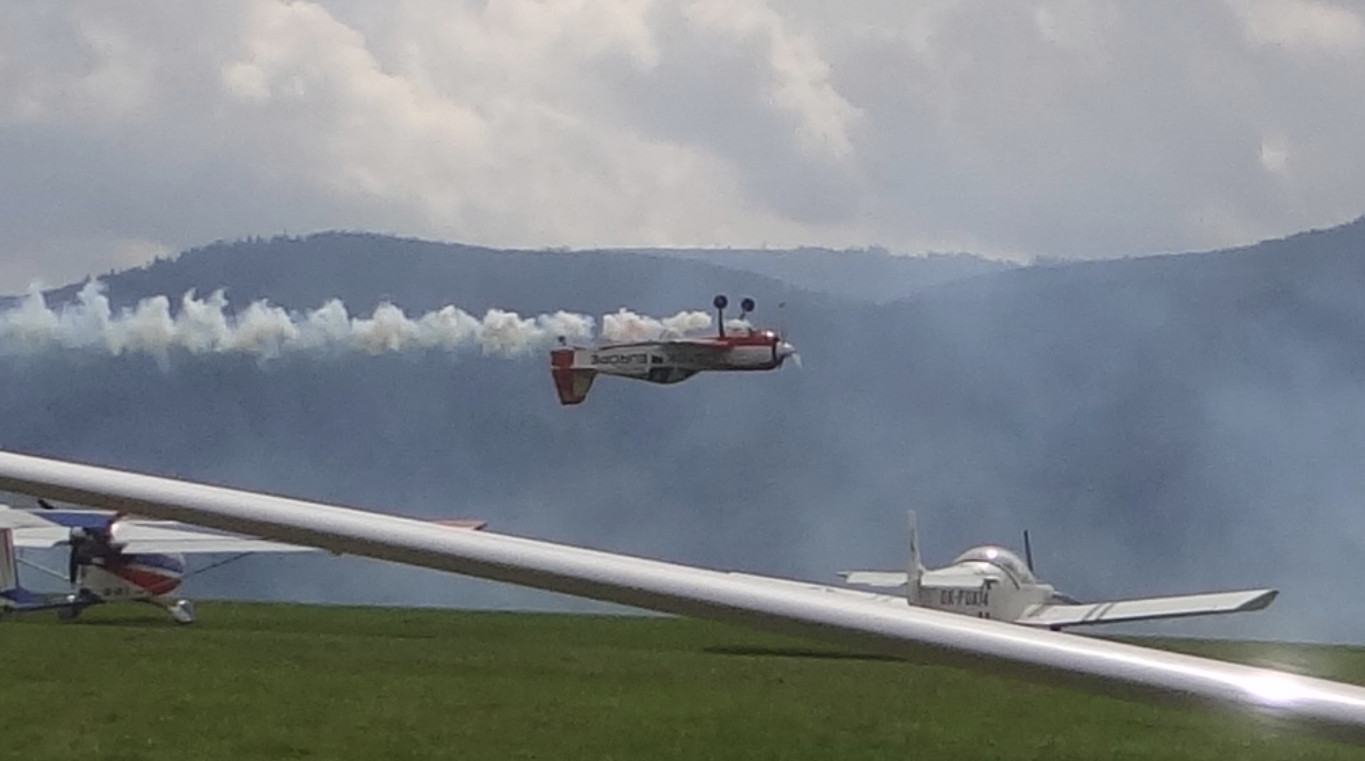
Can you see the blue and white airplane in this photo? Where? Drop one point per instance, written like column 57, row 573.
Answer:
column 111, row 558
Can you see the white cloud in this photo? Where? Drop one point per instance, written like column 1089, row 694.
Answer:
column 1301, row 25
column 1052, row 127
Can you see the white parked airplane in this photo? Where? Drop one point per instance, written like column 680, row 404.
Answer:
column 856, row 619
column 992, row 582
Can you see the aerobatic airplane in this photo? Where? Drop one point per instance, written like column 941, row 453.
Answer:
column 670, row 360
column 857, row 619
column 992, row 582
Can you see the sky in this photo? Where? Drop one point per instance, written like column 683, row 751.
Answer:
column 1015, row 129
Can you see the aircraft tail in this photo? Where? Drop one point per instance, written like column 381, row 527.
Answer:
column 914, row 569
column 571, row 382
column 910, row 578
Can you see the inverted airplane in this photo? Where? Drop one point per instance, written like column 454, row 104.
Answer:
column 670, row 360
column 861, row 620
column 992, row 582
column 116, row 558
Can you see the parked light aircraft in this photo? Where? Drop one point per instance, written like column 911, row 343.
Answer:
column 670, row 360
column 115, row 558
column 992, row 582
column 861, row 620
column 111, row 559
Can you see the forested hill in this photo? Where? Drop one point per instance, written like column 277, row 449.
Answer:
column 1162, row 424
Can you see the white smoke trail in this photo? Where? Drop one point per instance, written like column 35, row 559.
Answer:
column 209, row 326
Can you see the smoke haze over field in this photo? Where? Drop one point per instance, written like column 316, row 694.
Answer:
column 1163, row 425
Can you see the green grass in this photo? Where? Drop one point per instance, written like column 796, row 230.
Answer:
column 256, row 681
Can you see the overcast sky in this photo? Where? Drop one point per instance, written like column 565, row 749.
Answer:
column 1063, row 128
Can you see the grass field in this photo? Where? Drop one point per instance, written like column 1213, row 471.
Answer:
column 254, row 681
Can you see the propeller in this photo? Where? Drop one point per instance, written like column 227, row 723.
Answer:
column 89, row 544
column 86, row 544
column 720, row 302
column 782, row 350
column 1058, row 598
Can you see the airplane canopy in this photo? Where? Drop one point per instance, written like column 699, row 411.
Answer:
column 1000, row 558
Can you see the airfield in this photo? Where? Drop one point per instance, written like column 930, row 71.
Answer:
column 273, row 681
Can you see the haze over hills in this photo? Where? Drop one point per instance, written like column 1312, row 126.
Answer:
column 1162, row 424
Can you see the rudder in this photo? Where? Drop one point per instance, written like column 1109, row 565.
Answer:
column 913, row 567
column 571, row 383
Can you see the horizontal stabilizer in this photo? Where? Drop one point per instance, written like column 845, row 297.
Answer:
column 1056, row 616
column 940, row 578
column 882, row 579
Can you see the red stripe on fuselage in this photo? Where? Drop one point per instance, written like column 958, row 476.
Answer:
column 150, row 581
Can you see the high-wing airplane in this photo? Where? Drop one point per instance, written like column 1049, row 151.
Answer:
column 671, row 360
column 118, row 558
column 857, row 619
column 992, row 582
column 112, row 558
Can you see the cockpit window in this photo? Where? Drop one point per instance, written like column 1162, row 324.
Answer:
column 998, row 557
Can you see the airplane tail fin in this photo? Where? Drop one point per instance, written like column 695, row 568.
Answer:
column 572, row 383
column 913, row 567
column 910, row 578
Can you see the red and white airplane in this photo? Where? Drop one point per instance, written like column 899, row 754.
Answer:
column 670, row 360
column 116, row 558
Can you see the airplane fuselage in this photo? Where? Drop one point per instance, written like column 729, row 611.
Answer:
column 665, row 362
column 981, row 589
column 144, row 577
column 673, row 361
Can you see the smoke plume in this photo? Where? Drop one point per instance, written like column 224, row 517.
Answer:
column 209, row 325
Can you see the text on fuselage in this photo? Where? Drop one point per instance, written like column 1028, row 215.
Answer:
column 964, row 597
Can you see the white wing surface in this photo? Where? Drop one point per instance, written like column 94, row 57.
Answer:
column 31, row 530
column 808, row 610
column 1147, row 608
column 136, row 537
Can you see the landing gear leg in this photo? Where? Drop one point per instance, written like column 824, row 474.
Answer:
column 182, row 611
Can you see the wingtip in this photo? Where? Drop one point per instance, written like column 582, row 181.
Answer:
column 1261, row 600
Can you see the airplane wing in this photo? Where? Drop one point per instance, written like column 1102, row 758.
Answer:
column 917, row 634
column 176, row 539
column 1056, row 616
column 29, row 530
column 33, row 529
column 705, row 344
